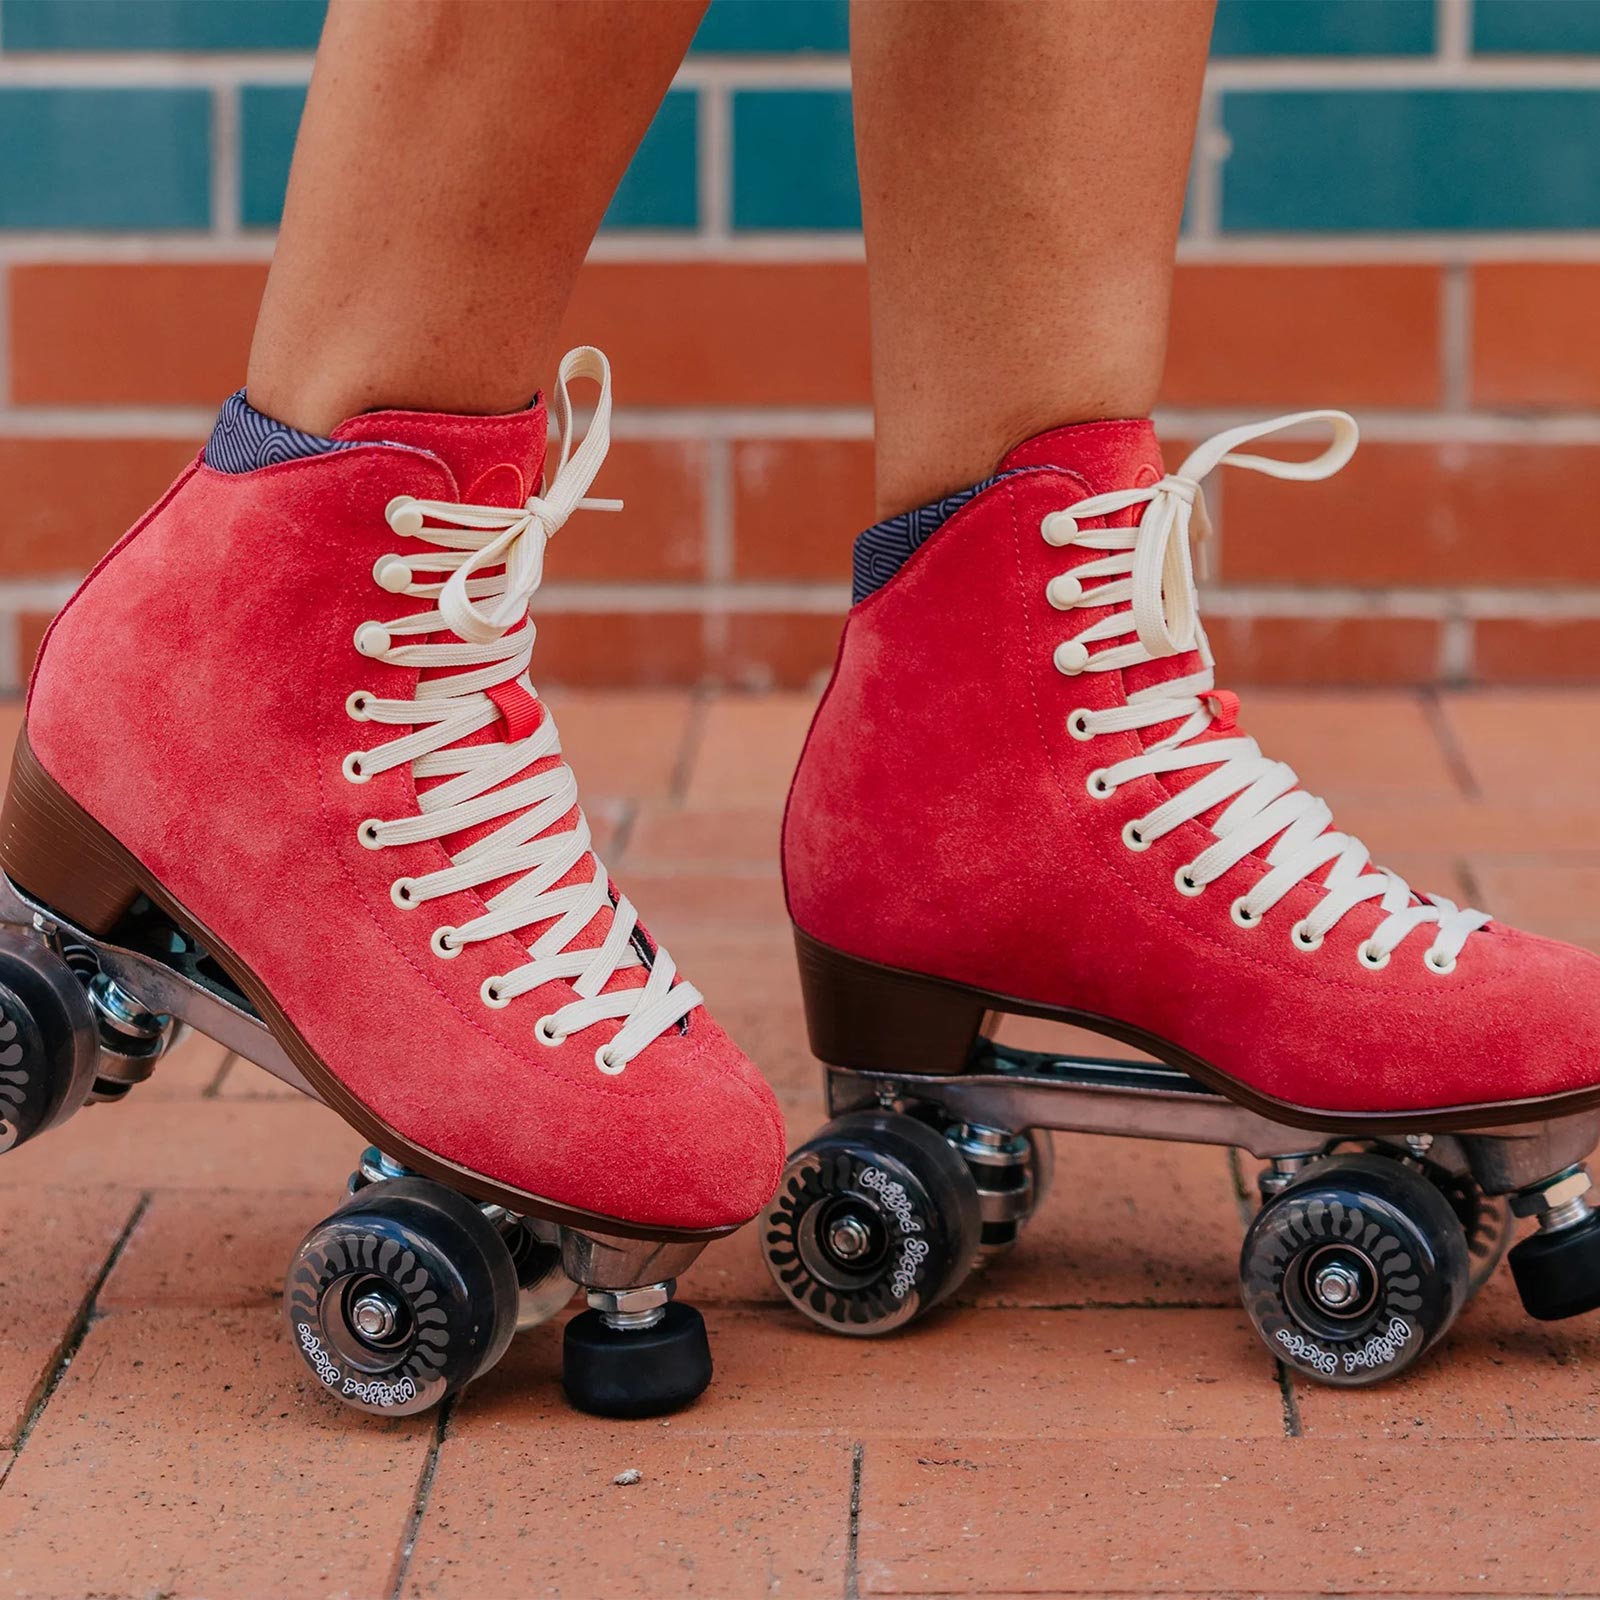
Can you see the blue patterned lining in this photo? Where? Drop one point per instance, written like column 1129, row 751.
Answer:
column 244, row 439
column 886, row 546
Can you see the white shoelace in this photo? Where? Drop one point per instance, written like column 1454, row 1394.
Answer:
column 482, row 565
column 1147, row 574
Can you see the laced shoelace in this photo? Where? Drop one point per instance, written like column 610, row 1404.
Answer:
column 1146, row 575
column 481, row 565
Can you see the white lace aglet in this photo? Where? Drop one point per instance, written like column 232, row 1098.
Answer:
column 599, row 505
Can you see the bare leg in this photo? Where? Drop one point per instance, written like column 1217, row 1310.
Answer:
column 453, row 165
column 1022, row 176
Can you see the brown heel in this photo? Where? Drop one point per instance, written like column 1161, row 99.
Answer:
column 56, row 853
column 877, row 1019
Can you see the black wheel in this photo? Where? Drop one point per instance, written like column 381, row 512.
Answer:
column 1558, row 1273
column 875, row 1221
column 1354, row 1270
column 403, row 1295
column 47, row 1038
column 636, row 1372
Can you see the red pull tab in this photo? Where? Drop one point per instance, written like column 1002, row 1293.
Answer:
column 1224, row 705
column 520, row 712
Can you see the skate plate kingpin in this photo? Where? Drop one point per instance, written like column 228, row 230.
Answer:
column 1361, row 1254
column 407, row 1291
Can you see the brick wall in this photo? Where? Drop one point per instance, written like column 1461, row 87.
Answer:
column 1395, row 208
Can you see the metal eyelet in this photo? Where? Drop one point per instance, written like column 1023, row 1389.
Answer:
column 1063, row 591
column 400, row 893
column 441, row 945
column 1303, row 937
column 1373, row 959
column 1133, row 838
column 392, row 573
column 602, row 1059
column 546, row 1034
column 1243, row 915
column 1185, row 882
column 355, row 706
column 1098, row 785
column 372, row 639
column 367, row 833
column 1078, row 725
column 351, row 767
column 489, row 993
column 1058, row 529
column 1443, row 968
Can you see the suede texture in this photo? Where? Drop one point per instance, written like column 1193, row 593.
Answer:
column 940, row 822
column 222, row 628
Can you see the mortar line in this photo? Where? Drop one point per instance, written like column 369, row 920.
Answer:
column 1293, row 1428
column 75, row 1334
column 419, row 1506
column 852, row 1576
column 694, row 730
column 1455, row 758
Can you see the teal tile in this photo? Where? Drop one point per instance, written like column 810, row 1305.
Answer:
column 1323, row 28
column 661, row 187
column 105, row 158
column 1536, row 27
column 794, row 162
column 1364, row 160
column 774, row 27
column 269, row 115
column 35, row 25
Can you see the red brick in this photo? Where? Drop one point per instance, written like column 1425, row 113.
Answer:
column 797, row 503
column 956, row 1515
column 620, row 649
column 748, row 749
column 778, row 650
column 1325, row 650
column 1536, row 649
column 525, row 1502
column 70, row 500
column 1536, row 334
column 1434, row 515
column 191, row 1453
column 131, row 333
column 1529, row 747
column 660, row 532
column 725, row 333
column 1304, row 335
column 55, row 1244
column 678, row 333
column 623, row 745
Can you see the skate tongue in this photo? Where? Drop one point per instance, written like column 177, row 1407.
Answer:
column 1106, row 455
column 495, row 461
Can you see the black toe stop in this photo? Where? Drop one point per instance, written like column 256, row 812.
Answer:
column 1558, row 1274
column 643, row 1372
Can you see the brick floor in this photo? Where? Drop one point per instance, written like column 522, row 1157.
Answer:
column 1091, row 1415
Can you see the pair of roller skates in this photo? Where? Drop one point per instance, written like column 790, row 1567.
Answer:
column 350, row 850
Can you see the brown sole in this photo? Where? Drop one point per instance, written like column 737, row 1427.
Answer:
column 873, row 1018
column 58, row 855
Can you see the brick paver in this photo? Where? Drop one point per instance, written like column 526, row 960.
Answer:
column 1090, row 1415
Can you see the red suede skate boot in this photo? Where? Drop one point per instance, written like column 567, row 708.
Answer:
column 1022, row 791
column 345, row 788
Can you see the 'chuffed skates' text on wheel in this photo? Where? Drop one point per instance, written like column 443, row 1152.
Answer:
column 1072, row 825
column 350, row 850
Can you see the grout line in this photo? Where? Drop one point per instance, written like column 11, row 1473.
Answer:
column 1293, row 1428
column 1210, row 152
column 225, row 162
column 694, row 733
column 419, row 1506
column 852, row 1574
column 1454, row 32
column 1455, row 337
column 214, row 1088
column 714, row 175
column 1455, row 758
column 12, row 671
column 73, row 1341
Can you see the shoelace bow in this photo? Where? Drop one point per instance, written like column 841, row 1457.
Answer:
column 1147, row 576
column 481, row 565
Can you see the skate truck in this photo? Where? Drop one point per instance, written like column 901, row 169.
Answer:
column 1365, row 1246
column 412, row 1287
